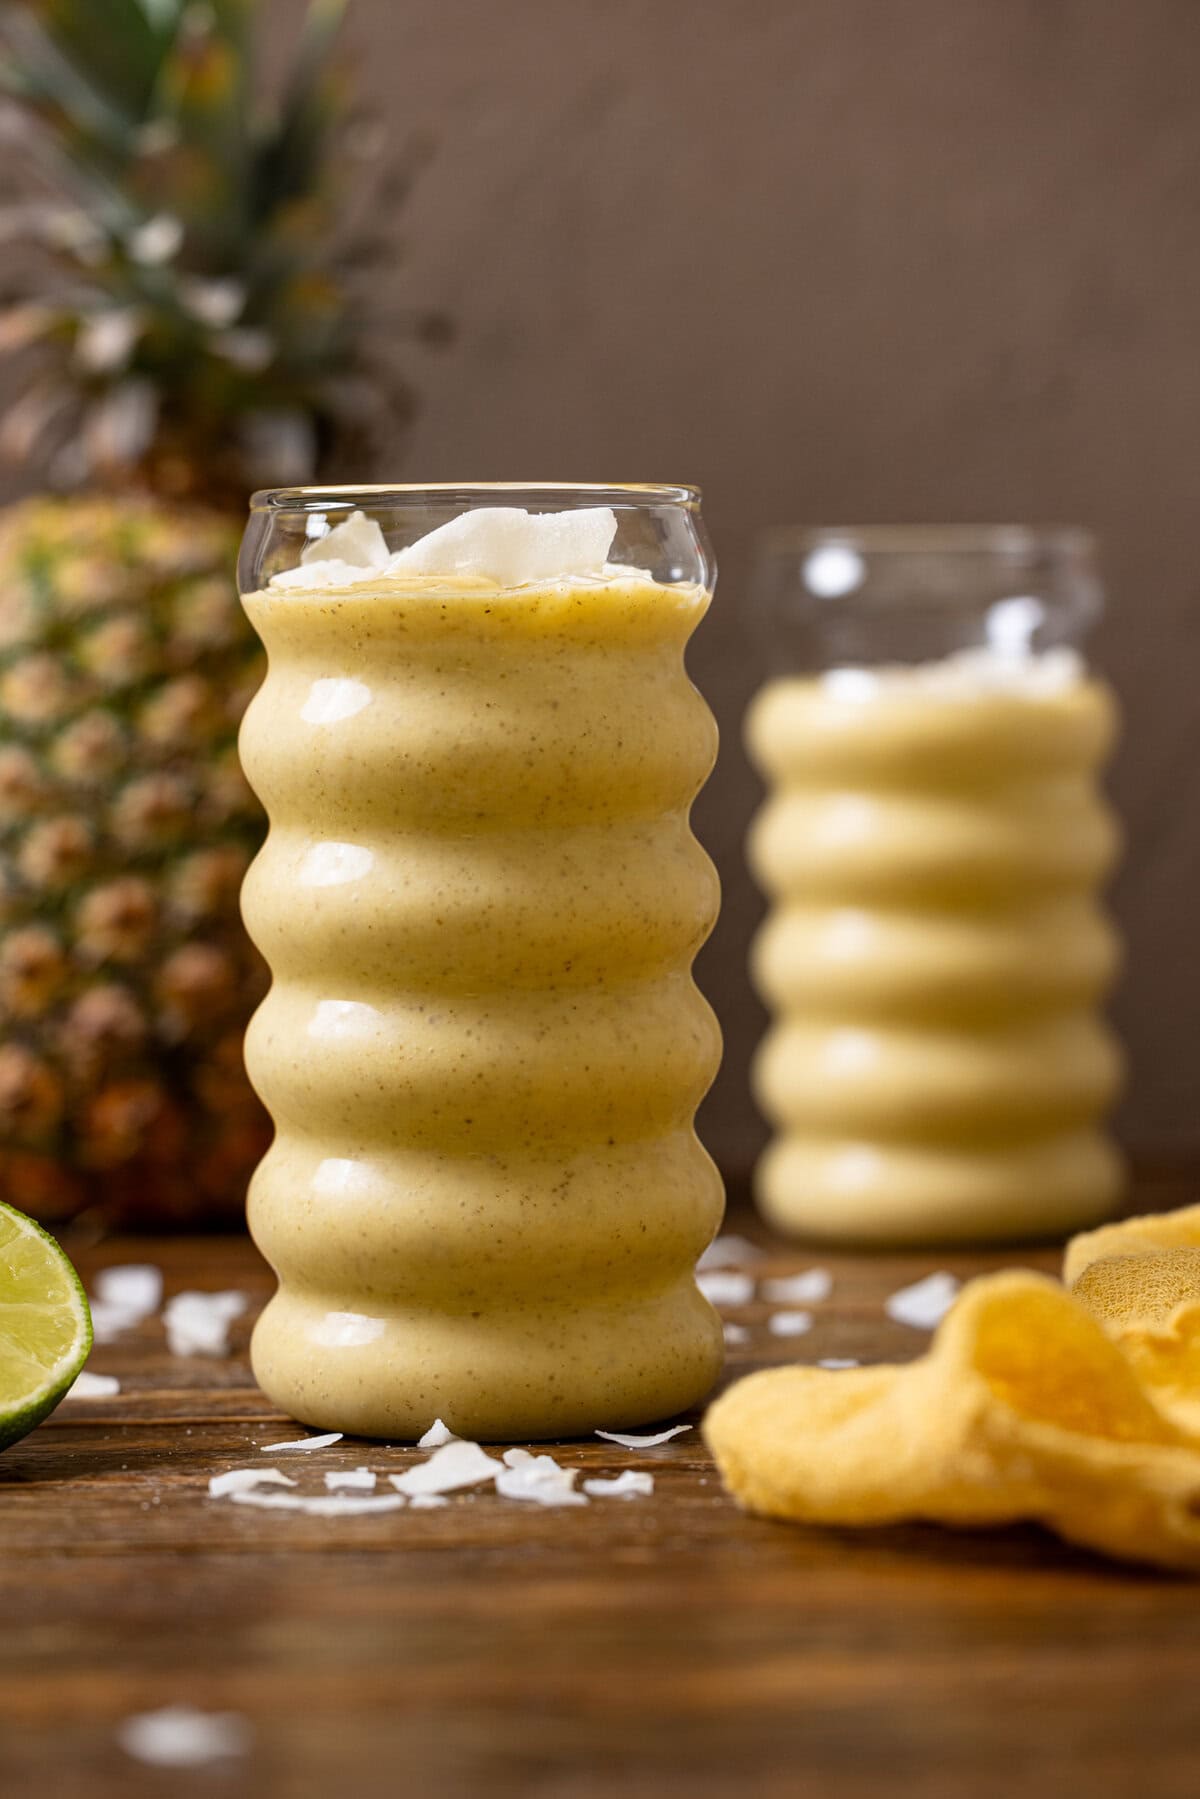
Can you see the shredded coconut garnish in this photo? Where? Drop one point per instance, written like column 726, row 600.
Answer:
column 350, row 1480
column 789, row 1324
column 455, row 1465
column 325, row 1442
column 244, row 1480
column 735, row 1334
column 628, row 1485
column 198, row 1323
column 652, row 1442
column 537, row 1479
column 323, row 1505
column 925, row 1303
column 94, row 1386
column 437, row 1436
column 809, row 1288
column 179, row 1736
column 838, row 1361
column 724, row 1288
column 728, row 1252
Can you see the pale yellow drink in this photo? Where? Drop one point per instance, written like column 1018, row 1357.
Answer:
column 935, row 956
column 483, row 1049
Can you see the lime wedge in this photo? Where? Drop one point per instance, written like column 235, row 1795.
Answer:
column 45, row 1325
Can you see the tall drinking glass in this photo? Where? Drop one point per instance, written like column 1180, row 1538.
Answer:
column 480, row 900
column 933, row 847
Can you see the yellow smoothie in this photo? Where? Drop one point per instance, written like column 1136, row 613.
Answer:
column 936, row 954
column 483, row 1050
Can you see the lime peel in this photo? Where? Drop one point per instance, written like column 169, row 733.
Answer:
column 45, row 1325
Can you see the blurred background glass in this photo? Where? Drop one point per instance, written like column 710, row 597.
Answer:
column 934, row 845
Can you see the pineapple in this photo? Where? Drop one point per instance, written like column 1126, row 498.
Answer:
column 187, row 327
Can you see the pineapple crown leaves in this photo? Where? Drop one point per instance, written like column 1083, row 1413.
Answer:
column 195, row 302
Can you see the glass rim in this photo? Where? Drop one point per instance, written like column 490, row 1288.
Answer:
column 331, row 498
column 920, row 540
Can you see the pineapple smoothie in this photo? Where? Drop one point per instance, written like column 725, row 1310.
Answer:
column 933, row 848
column 483, row 1049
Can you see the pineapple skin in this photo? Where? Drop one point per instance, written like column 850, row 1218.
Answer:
column 126, row 826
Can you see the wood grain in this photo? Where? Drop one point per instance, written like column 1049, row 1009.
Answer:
column 663, row 1646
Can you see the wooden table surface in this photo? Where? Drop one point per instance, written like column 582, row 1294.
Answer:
column 656, row 1646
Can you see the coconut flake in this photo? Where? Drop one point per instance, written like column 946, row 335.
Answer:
column 537, row 1479
column 789, row 1324
column 723, row 1288
column 455, row 1465
column 198, row 1323
column 123, row 1296
column 437, row 1436
column 323, row 1505
column 735, row 1334
column 138, row 1286
column 809, row 1288
column 244, row 1480
column 179, row 1736
column 425, row 1502
column 925, row 1303
column 728, row 1252
column 651, row 1442
column 330, row 1437
column 357, row 541
column 350, row 1480
column 513, row 547
column 627, row 1485
column 834, row 1362
column 93, row 1386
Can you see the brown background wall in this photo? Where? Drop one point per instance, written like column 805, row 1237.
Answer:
column 841, row 260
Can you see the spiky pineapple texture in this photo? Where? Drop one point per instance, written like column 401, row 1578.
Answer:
column 195, row 289
column 125, row 829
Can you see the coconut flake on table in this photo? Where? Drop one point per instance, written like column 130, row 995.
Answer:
column 93, row 1386
column 735, row 1334
column 790, row 1324
column 836, row 1362
column 724, row 1288
column 628, row 1485
column 809, row 1288
column 637, row 1442
column 437, row 1436
column 425, row 1502
column 457, row 1464
column 244, row 1480
column 350, row 1480
column 537, row 1479
column 728, row 1252
column 323, row 1505
column 138, row 1286
column 326, row 1442
column 179, row 1736
column 925, row 1303
column 198, row 1323
column 123, row 1296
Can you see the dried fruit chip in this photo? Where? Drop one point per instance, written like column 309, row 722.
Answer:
column 1022, row 1409
column 1133, row 1236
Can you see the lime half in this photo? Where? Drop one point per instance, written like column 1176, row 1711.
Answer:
column 45, row 1325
